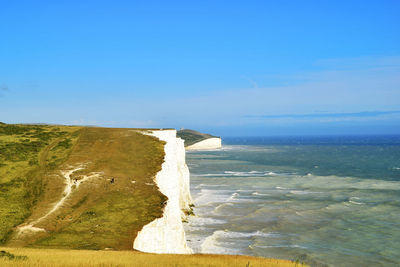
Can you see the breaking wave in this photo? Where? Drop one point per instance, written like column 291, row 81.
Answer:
column 237, row 174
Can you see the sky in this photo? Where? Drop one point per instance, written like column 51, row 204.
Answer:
column 230, row 68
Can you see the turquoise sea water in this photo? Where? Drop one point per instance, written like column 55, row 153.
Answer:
column 331, row 201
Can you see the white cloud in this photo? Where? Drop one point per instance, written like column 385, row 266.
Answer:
column 354, row 87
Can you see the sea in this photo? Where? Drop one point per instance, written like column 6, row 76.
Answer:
column 324, row 201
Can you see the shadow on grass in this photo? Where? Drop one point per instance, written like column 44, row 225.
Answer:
column 10, row 256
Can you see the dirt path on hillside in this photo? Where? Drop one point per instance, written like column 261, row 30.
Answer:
column 70, row 186
column 42, row 166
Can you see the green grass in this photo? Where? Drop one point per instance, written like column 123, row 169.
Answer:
column 21, row 185
column 191, row 137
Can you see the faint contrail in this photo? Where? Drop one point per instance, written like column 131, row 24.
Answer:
column 255, row 85
column 3, row 88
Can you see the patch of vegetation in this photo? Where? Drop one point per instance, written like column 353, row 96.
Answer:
column 20, row 151
column 191, row 137
column 21, row 172
column 7, row 255
column 59, row 152
column 64, row 144
column 189, row 212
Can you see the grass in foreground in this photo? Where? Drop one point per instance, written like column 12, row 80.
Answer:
column 57, row 257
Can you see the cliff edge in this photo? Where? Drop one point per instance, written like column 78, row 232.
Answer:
column 195, row 140
column 166, row 234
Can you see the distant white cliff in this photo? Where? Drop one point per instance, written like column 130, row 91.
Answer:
column 209, row 143
column 166, row 234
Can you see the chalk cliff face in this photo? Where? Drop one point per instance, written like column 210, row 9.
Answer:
column 210, row 143
column 166, row 234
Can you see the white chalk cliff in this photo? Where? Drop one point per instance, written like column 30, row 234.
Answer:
column 210, row 143
column 166, row 234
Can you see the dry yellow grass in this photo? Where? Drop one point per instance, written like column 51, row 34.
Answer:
column 58, row 257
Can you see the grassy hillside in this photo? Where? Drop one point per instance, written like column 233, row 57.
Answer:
column 35, row 162
column 57, row 257
column 191, row 137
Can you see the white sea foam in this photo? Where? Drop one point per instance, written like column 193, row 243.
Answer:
column 215, row 242
column 282, row 188
column 251, row 234
column 355, row 202
column 201, row 221
column 233, row 196
column 278, row 246
column 243, row 174
column 352, row 200
column 223, row 205
column 236, row 174
column 212, row 185
column 301, row 192
column 211, row 245
column 229, row 234
column 259, row 194
column 208, row 175
column 207, row 196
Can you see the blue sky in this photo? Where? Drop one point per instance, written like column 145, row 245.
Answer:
column 226, row 67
